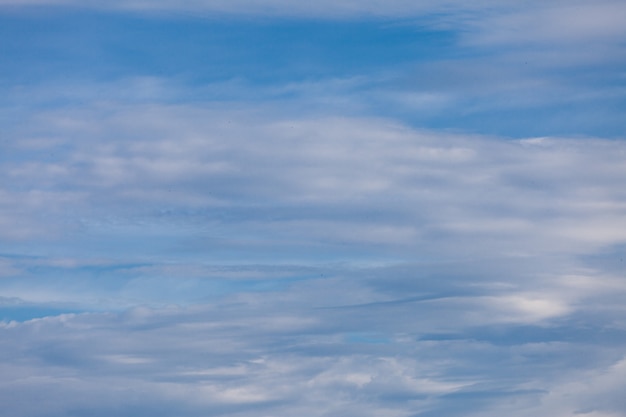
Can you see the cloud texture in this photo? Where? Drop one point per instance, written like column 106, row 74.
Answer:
column 318, row 209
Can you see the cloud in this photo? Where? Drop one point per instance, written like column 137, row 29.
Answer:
column 176, row 243
column 561, row 23
column 279, row 352
column 365, row 219
column 397, row 8
column 487, row 20
column 8, row 268
column 514, row 70
column 314, row 180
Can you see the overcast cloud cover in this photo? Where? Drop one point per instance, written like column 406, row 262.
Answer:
column 332, row 208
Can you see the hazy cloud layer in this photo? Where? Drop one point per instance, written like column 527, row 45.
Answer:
column 246, row 175
column 465, row 290
column 320, row 209
column 293, row 351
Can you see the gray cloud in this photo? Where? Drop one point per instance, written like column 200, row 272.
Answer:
column 285, row 351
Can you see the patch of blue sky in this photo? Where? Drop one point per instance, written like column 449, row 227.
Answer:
column 60, row 45
column 30, row 312
column 38, row 287
column 415, row 69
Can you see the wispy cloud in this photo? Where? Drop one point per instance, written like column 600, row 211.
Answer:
column 278, row 351
column 332, row 208
column 325, row 9
column 262, row 175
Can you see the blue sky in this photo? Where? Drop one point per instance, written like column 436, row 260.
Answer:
column 270, row 208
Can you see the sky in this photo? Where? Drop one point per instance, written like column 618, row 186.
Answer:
column 270, row 208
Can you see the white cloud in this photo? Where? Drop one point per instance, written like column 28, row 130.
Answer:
column 325, row 179
column 589, row 393
column 560, row 22
column 275, row 352
column 280, row 258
